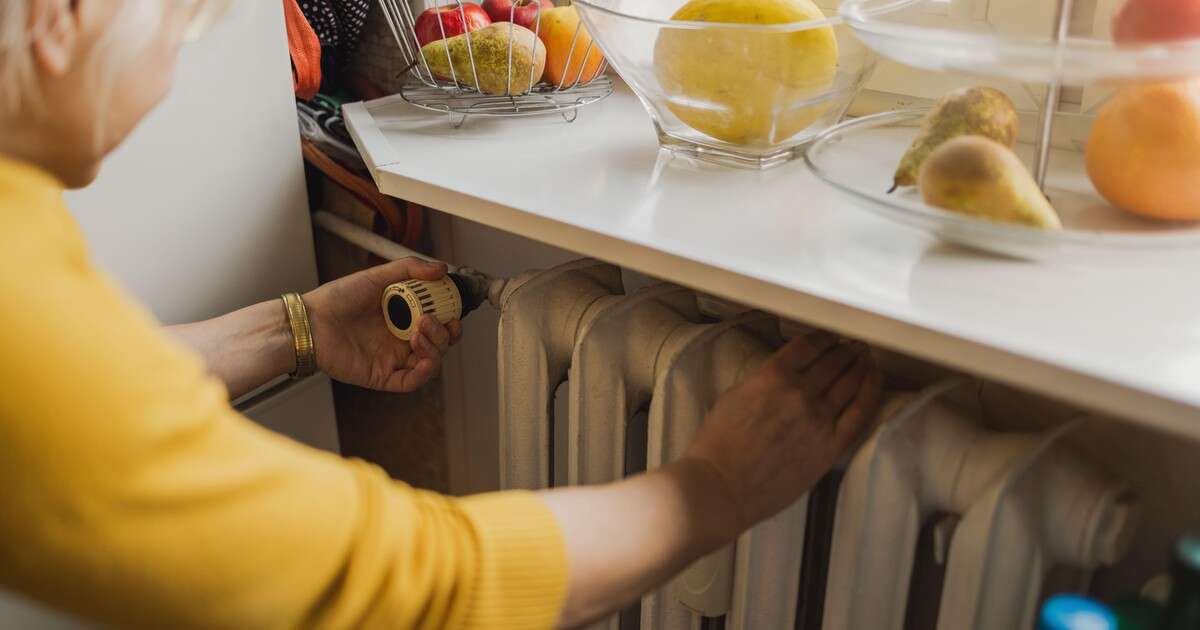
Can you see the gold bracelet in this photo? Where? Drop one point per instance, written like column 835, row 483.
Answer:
column 306, row 355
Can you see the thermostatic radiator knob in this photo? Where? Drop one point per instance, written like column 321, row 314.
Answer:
column 448, row 299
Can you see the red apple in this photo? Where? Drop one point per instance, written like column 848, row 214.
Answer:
column 449, row 20
column 520, row 12
column 1146, row 21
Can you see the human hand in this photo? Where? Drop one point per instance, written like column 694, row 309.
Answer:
column 354, row 345
column 771, row 438
column 764, row 443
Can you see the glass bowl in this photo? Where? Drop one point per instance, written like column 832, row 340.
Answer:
column 746, row 95
column 1017, row 40
column 859, row 157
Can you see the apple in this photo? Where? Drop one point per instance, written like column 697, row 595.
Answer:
column 448, row 21
column 1146, row 21
column 520, row 12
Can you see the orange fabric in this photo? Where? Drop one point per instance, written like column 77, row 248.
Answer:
column 305, row 49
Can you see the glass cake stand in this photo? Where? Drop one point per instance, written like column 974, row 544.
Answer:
column 1032, row 43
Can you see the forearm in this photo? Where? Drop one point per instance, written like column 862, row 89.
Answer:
column 245, row 348
column 625, row 538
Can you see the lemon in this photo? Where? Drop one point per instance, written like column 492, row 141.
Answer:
column 744, row 86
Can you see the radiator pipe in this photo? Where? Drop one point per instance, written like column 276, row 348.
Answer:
column 366, row 239
column 1027, row 503
column 487, row 288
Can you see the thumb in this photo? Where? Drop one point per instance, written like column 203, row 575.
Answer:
column 424, row 269
column 405, row 268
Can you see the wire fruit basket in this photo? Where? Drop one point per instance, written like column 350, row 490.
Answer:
column 463, row 62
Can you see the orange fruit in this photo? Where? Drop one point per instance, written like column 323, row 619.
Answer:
column 1143, row 153
column 558, row 28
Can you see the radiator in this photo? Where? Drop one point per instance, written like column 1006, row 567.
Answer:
column 1009, row 506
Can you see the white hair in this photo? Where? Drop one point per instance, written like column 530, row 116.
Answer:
column 132, row 25
column 16, row 63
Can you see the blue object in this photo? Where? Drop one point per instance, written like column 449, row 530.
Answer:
column 1075, row 612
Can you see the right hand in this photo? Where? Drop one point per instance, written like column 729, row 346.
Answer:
column 770, row 439
column 353, row 344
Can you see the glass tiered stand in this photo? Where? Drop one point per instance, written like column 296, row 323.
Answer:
column 859, row 156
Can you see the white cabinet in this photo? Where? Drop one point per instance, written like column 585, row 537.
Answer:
column 204, row 210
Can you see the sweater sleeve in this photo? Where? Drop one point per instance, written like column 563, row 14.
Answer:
column 131, row 492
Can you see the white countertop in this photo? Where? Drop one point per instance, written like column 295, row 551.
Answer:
column 1123, row 339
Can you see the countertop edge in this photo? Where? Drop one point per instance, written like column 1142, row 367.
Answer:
column 1090, row 392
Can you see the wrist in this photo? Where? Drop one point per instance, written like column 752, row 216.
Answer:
column 278, row 346
column 262, row 338
column 713, row 506
column 304, row 360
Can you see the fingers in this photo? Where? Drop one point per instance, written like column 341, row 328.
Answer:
column 428, row 345
column 800, row 352
column 405, row 268
column 846, row 387
column 423, row 348
column 425, row 371
column 821, row 375
column 455, row 328
column 863, row 410
column 433, row 332
column 411, row 379
column 417, row 373
column 424, row 269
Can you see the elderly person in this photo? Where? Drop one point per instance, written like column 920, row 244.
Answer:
column 132, row 494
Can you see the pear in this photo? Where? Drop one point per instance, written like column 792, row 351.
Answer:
column 980, row 111
column 489, row 47
column 980, row 177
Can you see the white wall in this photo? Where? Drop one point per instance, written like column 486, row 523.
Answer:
column 204, row 209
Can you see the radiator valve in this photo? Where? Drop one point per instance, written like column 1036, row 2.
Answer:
column 450, row 298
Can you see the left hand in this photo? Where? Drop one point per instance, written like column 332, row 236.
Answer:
column 354, row 345
column 771, row 438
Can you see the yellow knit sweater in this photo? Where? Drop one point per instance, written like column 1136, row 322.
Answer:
column 131, row 492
